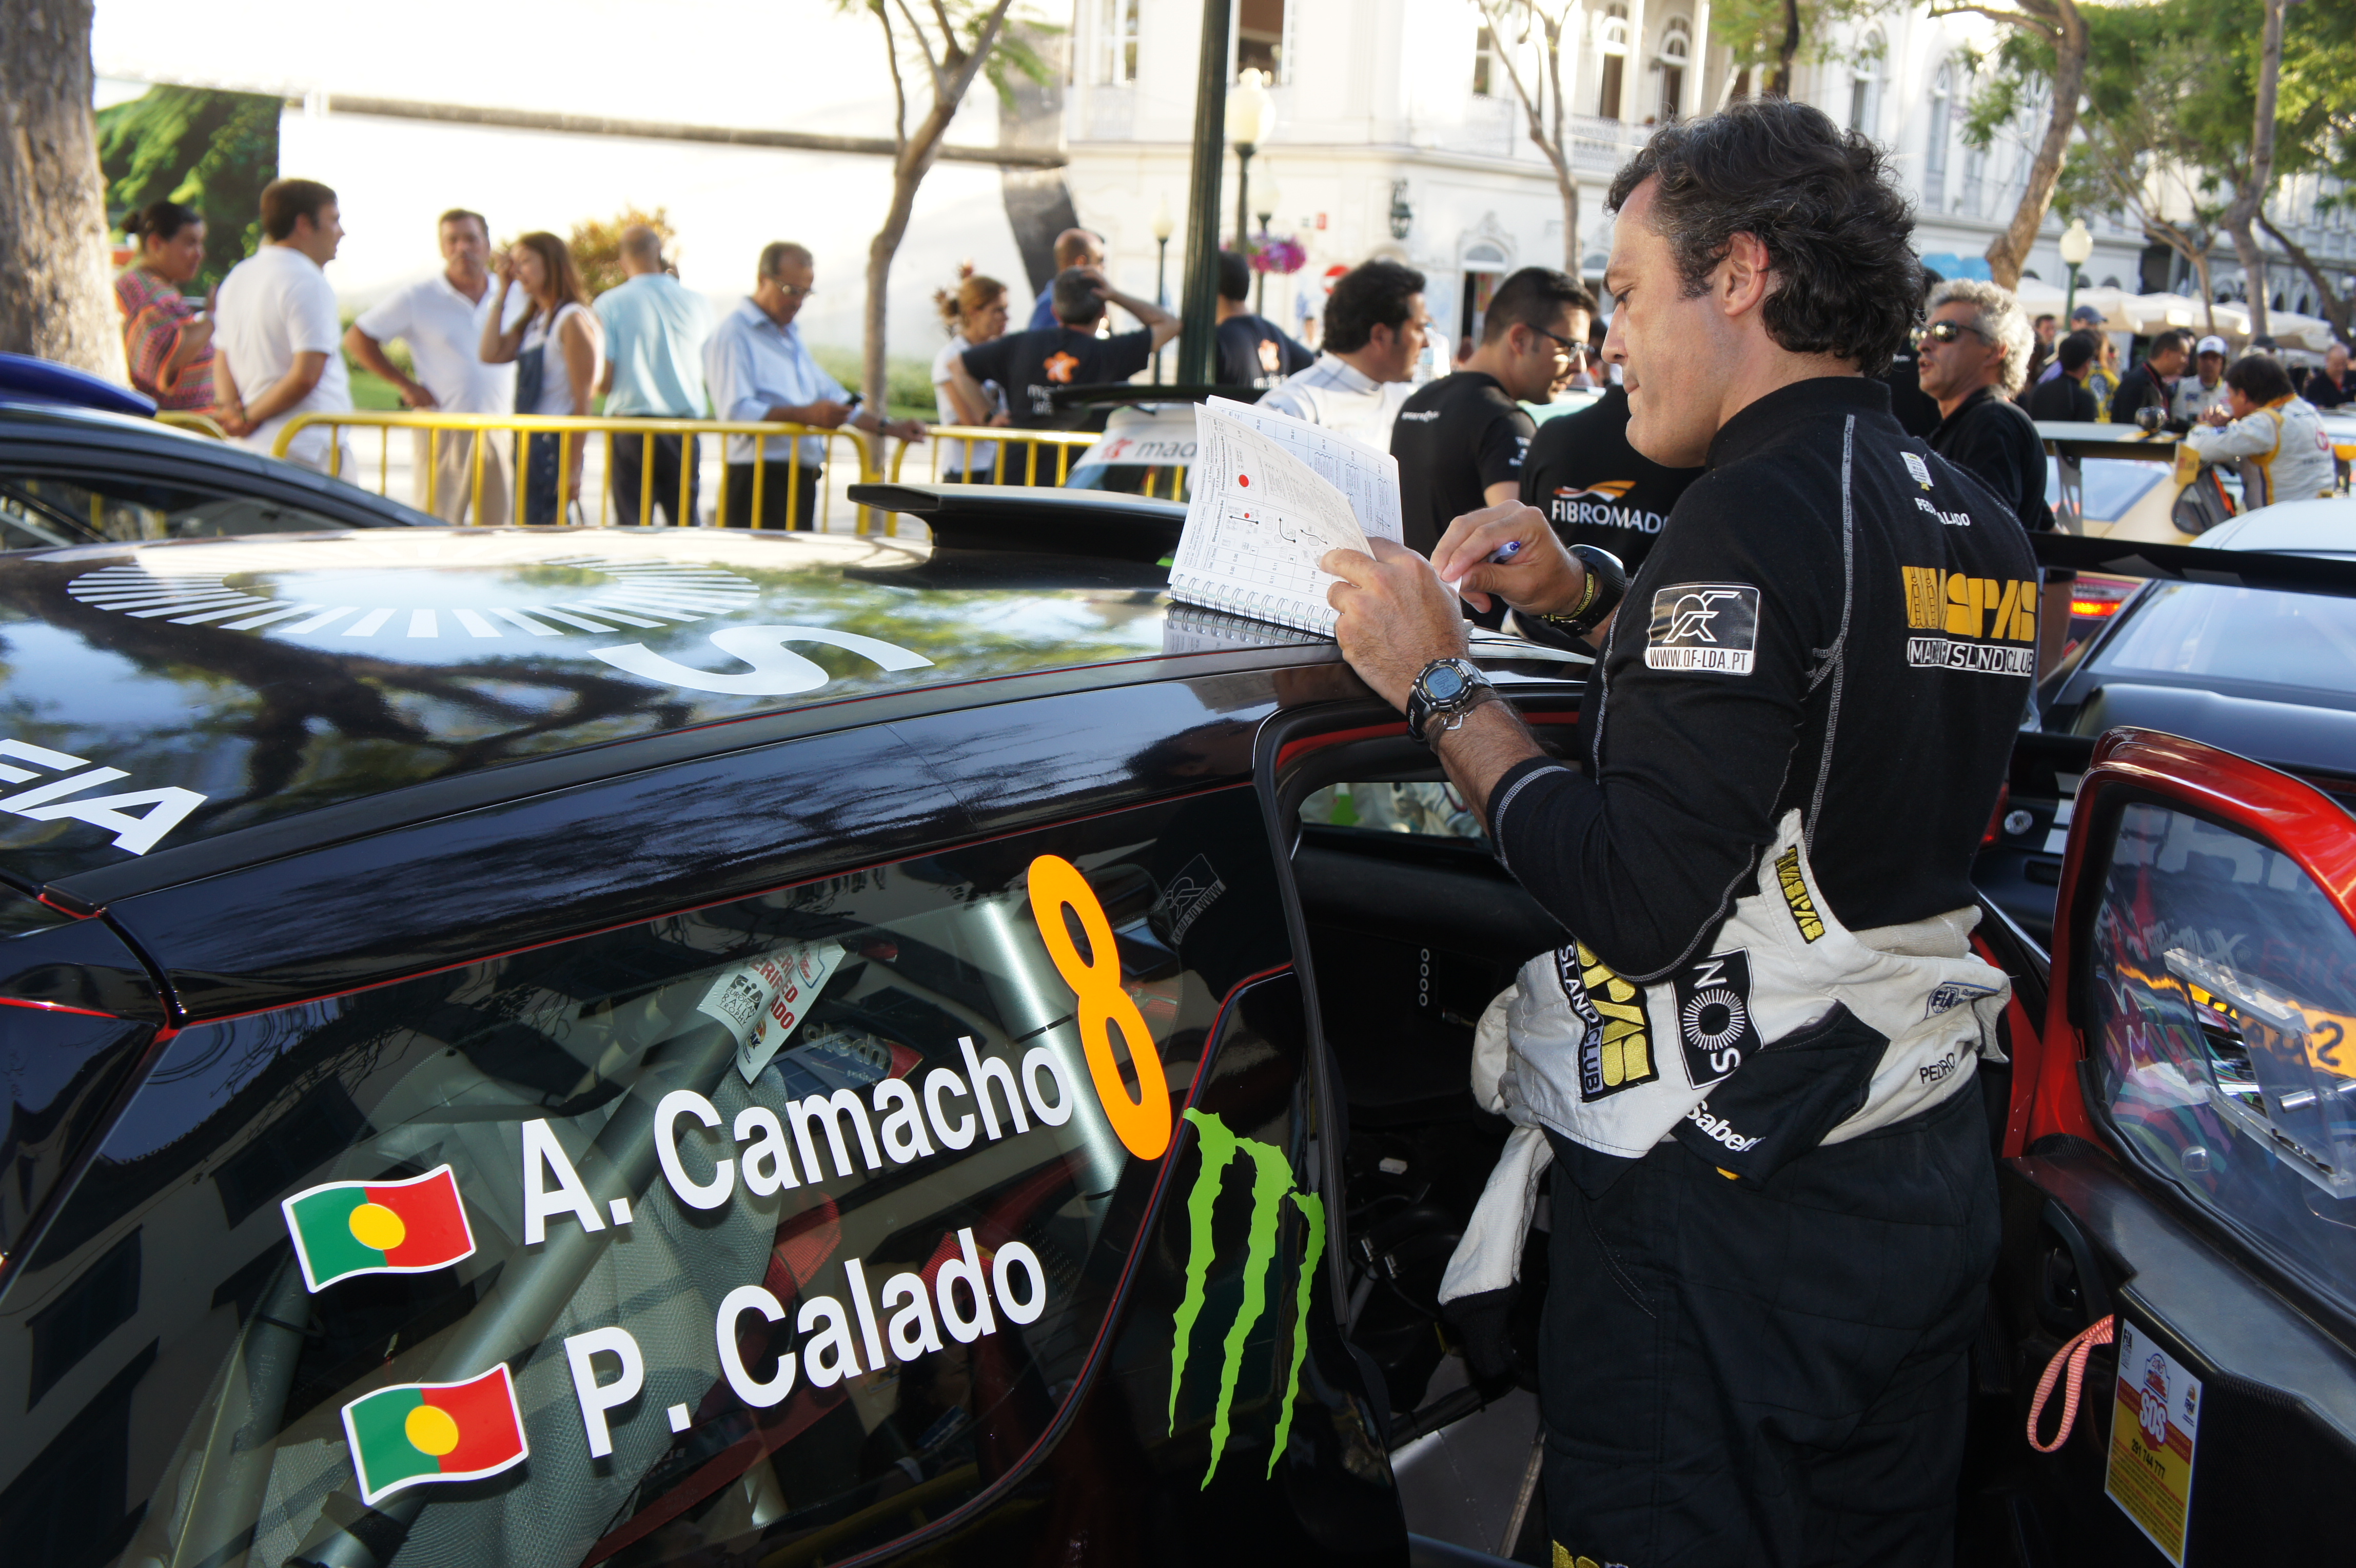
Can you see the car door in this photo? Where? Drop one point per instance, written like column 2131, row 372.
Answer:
column 970, row 1201
column 2180, row 1179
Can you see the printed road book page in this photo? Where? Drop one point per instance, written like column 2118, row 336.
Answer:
column 1259, row 522
column 1368, row 479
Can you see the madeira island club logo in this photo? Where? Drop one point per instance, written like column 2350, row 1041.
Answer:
column 1272, row 1187
column 347, row 1227
column 413, row 1433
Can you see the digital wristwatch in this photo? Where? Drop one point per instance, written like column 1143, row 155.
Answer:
column 1446, row 690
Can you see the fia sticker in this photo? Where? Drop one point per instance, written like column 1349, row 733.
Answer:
column 2153, row 1433
column 1919, row 468
column 761, row 1003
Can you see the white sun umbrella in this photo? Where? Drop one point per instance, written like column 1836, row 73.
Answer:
column 2158, row 312
column 2039, row 297
column 2292, row 330
column 2112, row 302
column 2233, row 323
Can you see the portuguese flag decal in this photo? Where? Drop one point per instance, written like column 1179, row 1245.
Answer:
column 347, row 1227
column 414, row 1433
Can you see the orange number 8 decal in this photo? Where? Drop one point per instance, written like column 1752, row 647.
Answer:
column 1143, row 1122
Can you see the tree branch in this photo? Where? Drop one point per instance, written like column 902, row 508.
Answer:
column 2049, row 31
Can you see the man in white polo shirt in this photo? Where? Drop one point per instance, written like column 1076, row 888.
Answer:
column 1375, row 326
column 276, row 330
column 441, row 319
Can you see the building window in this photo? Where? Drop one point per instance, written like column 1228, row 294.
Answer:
column 1488, row 75
column 1974, row 177
column 1119, row 41
column 1865, row 85
column 1676, row 48
column 1934, row 154
column 1260, row 38
column 1611, row 38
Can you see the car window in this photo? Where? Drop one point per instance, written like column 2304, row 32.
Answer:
column 2299, row 641
column 2110, row 486
column 1167, row 482
column 1430, row 810
column 787, row 1222
column 2222, row 1003
column 83, row 508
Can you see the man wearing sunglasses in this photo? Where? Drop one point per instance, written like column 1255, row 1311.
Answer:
column 1973, row 360
column 1460, row 440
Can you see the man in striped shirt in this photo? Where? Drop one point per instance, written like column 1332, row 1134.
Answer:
column 1375, row 326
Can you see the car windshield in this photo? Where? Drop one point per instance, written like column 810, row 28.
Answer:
column 2112, row 484
column 2301, row 641
column 1162, row 481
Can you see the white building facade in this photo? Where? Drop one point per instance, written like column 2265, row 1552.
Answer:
column 1399, row 133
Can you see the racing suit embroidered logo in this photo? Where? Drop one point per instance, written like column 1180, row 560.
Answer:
column 1954, row 993
column 1919, row 468
column 1795, row 894
column 1976, row 615
column 1704, row 625
column 1272, row 1187
column 1719, row 1129
column 1615, row 1052
column 1714, row 1015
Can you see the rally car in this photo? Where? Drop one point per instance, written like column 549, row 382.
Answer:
column 569, row 1047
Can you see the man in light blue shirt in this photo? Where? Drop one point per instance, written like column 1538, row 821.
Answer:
column 655, row 334
column 1073, row 248
column 759, row 369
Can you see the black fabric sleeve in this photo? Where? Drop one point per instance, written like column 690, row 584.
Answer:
column 1983, row 446
column 1126, row 353
column 1644, row 859
column 1502, row 445
column 993, row 361
column 2135, row 390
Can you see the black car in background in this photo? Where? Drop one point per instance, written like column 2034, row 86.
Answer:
column 73, row 475
column 2264, row 673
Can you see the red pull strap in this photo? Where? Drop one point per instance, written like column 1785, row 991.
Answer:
column 2075, row 1352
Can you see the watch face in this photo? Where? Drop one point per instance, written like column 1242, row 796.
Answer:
column 1445, row 683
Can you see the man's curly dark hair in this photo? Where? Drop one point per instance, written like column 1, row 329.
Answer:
column 1820, row 199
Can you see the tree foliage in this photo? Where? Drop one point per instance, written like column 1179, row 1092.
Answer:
column 598, row 244
column 211, row 150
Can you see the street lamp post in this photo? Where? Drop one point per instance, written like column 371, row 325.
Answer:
column 2077, row 245
column 1198, row 338
column 1271, row 198
column 1251, row 115
column 1164, row 227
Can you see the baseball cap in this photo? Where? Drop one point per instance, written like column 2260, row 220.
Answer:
column 2087, row 313
column 2212, row 345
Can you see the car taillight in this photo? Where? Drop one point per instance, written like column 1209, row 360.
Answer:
column 2092, row 608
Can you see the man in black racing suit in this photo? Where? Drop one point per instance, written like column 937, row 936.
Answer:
column 1753, row 1069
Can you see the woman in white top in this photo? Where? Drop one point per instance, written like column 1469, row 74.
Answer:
column 555, row 348
column 974, row 315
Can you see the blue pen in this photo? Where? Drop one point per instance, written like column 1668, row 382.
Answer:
column 1506, row 551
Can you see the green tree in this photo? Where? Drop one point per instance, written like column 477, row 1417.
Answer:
column 953, row 41
column 214, row 151
column 1515, row 24
column 2044, row 65
column 54, row 299
column 597, row 244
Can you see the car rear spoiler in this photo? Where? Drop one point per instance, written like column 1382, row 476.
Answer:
column 2190, row 563
column 1101, row 524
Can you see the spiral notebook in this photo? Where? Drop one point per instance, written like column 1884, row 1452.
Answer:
column 1271, row 495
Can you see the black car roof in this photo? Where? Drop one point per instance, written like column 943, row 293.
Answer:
column 218, row 687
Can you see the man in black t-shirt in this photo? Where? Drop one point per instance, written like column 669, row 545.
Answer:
column 1032, row 365
column 1595, row 487
column 1253, row 351
column 1774, row 1211
column 2067, row 399
column 1460, row 440
column 2152, row 385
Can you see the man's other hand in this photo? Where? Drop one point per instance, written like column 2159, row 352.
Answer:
column 906, row 429
column 826, row 414
column 1542, row 576
column 415, row 395
column 1397, row 616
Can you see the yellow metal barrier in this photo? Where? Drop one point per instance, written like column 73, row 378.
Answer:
column 188, row 419
column 960, row 440
column 567, row 429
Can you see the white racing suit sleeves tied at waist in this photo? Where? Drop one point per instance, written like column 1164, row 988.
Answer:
column 1790, row 1032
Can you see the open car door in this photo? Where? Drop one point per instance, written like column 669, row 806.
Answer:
column 2179, row 1179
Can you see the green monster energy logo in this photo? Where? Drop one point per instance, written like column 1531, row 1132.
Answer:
column 1272, row 1184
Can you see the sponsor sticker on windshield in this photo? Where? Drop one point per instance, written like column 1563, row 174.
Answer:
column 761, row 1003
